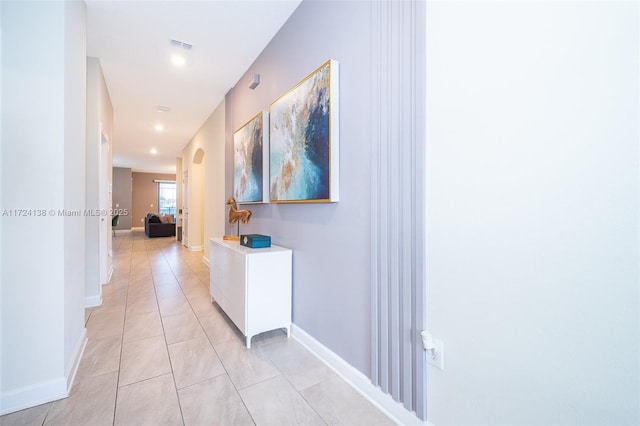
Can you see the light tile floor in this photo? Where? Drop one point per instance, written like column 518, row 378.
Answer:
column 160, row 353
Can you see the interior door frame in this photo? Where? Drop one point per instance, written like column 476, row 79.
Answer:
column 104, row 204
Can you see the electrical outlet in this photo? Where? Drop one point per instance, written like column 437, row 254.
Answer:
column 436, row 357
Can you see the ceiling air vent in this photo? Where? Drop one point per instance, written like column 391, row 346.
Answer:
column 177, row 43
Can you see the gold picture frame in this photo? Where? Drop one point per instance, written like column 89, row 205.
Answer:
column 304, row 140
column 250, row 160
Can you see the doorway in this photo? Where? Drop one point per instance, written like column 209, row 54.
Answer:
column 104, row 203
column 185, row 208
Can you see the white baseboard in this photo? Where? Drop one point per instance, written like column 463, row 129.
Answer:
column 206, row 261
column 72, row 368
column 92, row 301
column 41, row 393
column 123, row 231
column 357, row 380
column 109, row 275
column 195, row 248
column 30, row 396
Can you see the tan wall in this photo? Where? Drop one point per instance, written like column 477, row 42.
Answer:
column 144, row 195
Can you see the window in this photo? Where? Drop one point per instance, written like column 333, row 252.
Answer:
column 167, row 198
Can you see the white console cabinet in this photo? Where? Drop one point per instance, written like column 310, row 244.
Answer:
column 252, row 286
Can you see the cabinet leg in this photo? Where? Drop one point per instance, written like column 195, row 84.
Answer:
column 248, row 342
column 288, row 332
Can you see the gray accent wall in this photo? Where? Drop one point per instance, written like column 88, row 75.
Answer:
column 122, row 195
column 331, row 242
column 398, row 201
column 358, row 276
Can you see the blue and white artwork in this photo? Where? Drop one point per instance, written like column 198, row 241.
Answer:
column 249, row 177
column 303, row 156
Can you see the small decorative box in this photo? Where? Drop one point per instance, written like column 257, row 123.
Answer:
column 255, row 240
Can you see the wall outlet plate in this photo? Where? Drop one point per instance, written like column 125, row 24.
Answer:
column 437, row 360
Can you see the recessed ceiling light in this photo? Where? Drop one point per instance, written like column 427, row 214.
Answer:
column 178, row 60
column 153, row 151
column 159, row 127
column 163, row 108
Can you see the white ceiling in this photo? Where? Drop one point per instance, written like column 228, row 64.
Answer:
column 131, row 39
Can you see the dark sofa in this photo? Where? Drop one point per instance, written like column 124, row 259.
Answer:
column 153, row 227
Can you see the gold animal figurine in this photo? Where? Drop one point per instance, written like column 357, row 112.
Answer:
column 236, row 214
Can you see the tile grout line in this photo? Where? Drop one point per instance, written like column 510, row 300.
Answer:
column 226, row 372
column 208, row 338
column 126, row 302
column 164, row 335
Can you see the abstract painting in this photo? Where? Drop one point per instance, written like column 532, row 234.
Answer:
column 250, row 160
column 303, row 129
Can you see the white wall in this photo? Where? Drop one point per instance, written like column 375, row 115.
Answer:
column 1, row 275
column 532, row 220
column 36, row 304
column 42, row 129
column 206, row 198
column 99, row 119
column 75, row 105
column 215, row 211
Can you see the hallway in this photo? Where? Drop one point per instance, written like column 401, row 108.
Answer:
column 159, row 352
